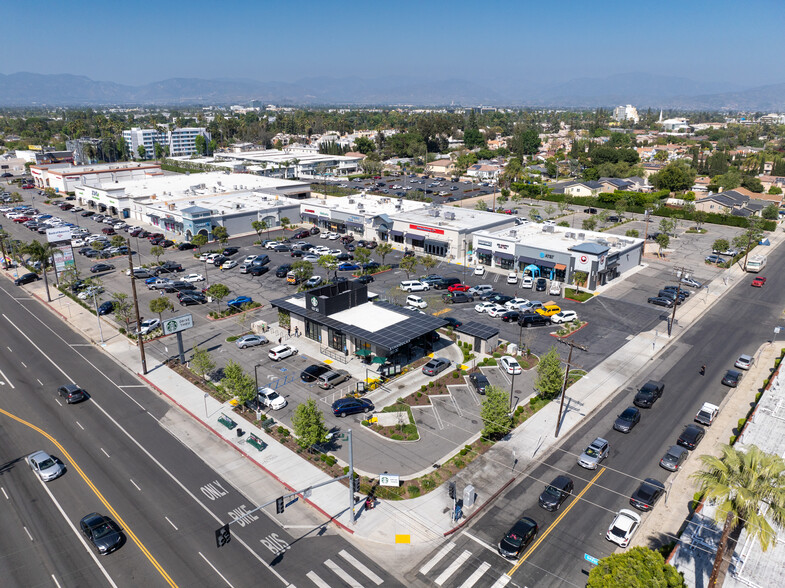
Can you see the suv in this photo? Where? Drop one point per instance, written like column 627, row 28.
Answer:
column 331, row 379
column 457, row 297
column 414, row 286
column 533, row 319
column 346, row 406
column 648, row 394
column 594, row 454
column 445, row 283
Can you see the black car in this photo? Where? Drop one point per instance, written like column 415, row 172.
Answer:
column 445, row 283
column 179, row 286
column 457, row 297
column 219, row 261
column 518, row 538
column 533, row 319
column 683, row 292
column 627, row 420
column 479, row 381
column 229, row 251
column 337, row 280
column 346, row 406
column 452, row 322
column 282, row 270
column 500, row 299
column 102, row 532
column 26, row 278
column 168, row 267
column 101, row 267
column 672, row 295
column 647, row 494
column 71, row 393
column 87, row 213
column 166, row 243
column 660, row 301
column 189, row 298
column 312, row 372
column 732, row 378
column 344, row 257
column 590, row 210
column 281, row 248
column 691, row 436
column 186, row 246
column 364, row 279
column 555, row 493
column 540, row 284
column 431, row 279
column 258, row 270
column 511, row 316
column 106, row 308
column 648, row 394
column 296, row 253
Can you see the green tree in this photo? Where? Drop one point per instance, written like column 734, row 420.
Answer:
column 602, row 216
column 362, row 255
column 589, row 224
column 218, row 292
column 495, row 413
column 667, row 225
column 200, row 240
column 775, row 190
column 142, row 152
column 41, row 253
column 382, row 250
column 284, row 222
column 550, row 375
column 200, row 143
column 157, row 251
column 481, row 205
column 159, row 305
column 637, row 567
column 752, row 184
column 525, row 141
column 329, row 263
column 308, row 424
column 238, row 383
column 632, row 233
column 700, row 217
column 159, row 150
column 750, row 237
column 123, row 309
column 720, row 245
column 663, row 240
column 364, row 145
column 748, row 489
column 259, row 227
column 117, row 241
column 771, row 212
column 303, row 270
column 674, row 177
column 429, row 262
column 202, row 362
column 409, row 264
column 621, row 207
column 221, row 234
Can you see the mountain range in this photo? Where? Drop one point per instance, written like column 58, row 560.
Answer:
column 641, row 90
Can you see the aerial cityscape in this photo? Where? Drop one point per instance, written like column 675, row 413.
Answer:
column 424, row 294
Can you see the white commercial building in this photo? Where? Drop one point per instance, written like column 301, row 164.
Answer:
column 64, row 177
column 622, row 113
column 293, row 163
column 180, row 142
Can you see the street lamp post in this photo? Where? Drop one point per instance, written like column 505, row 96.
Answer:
column 98, row 316
column 512, row 389
column 256, row 375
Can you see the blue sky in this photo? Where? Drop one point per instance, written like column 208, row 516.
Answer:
column 287, row 40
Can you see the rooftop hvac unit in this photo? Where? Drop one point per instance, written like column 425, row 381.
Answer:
column 547, row 229
column 569, row 236
column 351, row 200
column 581, row 235
column 433, row 212
column 172, row 207
column 449, row 215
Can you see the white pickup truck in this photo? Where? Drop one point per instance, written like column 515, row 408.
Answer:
column 707, row 413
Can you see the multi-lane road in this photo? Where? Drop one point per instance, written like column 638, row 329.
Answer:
column 123, row 463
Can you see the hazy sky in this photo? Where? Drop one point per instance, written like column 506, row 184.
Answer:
column 285, row 40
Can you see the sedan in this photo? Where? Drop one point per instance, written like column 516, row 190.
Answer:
column 623, row 527
column 89, row 291
column 239, row 302
column 435, row 366
column 43, row 464
column 230, row 264
column 660, row 301
column 556, row 493
column 250, row 341
column 457, row 288
column 691, row 282
column 496, row 311
column 106, row 308
column 313, row 281
column 281, row 352
column 732, row 378
column 484, row 306
column 102, row 532
column 647, row 494
column 510, row 365
column 510, row 316
column 333, row 236
column 346, row 406
column 691, row 436
column 101, row 267
column 673, row 458
column 193, row 278
column 348, row 267
column 744, row 362
column 190, row 298
column 540, row 284
column 627, row 420
column 26, row 279
column 714, row 259
column 148, row 326
column 479, row 270
column 365, row 279
column 271, row 399
column 517, row 539
column 479, row 382
column 758, row 282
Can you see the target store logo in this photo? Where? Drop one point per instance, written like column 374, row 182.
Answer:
column 584, row 259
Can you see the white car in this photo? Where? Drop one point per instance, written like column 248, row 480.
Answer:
column 555, row 289
column 271, row 399
column 744, row 362
column 148, row 326
column 510, row 365
column 333, row 236
column 310, row 258
column 512, row 278
column 248, row 260
column 496, row 311
column 193, row 278
column 323, row 235
column 565, row 316
column 281, row 352
column 416, row 301
column 205, row 256
column 484, row 306
column 527, row 282
column 313, row 281
column 479, row 270
column 320, row 250
column 515, row 303
column 623, row 527
column 78, row 243
column 88, row 292
column 228, row 264
column 211, row 257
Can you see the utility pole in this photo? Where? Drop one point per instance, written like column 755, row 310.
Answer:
column 351, row 477
column 139, row 337
column 572, row 345
column 680, row 271
column 646, row 214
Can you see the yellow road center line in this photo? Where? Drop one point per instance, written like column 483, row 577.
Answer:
column 553, row 525
column 100, row 496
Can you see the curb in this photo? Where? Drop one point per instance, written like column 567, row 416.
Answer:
column 479, row 508
column 329, row 517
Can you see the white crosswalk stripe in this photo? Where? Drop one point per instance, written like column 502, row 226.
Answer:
column 429, row 565
column 502, row 581
column 361, row 567
column 338, row 571
column 317, row 580
column 453, row 567
column 472, row 580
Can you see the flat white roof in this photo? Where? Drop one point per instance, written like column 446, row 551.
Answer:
column 368, row 316
column 372, row 205
column 68, row 169
column 454, row 217
column 275, row 156
column 561, row 239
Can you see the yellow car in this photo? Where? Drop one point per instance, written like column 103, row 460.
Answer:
column 548, row 310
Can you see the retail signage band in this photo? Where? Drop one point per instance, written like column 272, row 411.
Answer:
column 427, row 229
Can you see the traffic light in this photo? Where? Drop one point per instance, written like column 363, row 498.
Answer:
column 451, row 490
column 223, row 536
column 356, row 484
column 279, row 506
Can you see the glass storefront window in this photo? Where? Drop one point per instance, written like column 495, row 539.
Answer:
column 505, row 263
column 484, row 259
column 313, row 330
column 336, row 339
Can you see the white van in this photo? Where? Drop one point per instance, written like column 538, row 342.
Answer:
column 414, row 286
column 415, row 301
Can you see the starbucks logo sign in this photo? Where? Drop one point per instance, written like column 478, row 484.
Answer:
column 314, row 301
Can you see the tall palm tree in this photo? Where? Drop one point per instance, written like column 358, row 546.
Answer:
column 748, row 488
column 42, row 253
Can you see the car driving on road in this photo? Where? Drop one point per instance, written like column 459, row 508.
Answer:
column 517, row 539
column 45, row 466
column 105, row 535
column 594, row 454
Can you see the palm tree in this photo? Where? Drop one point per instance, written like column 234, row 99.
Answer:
column 748, row 488
column 42, row 253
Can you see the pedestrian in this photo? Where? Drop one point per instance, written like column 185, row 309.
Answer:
column 289, row 332
column 296, row 331
column 279, row 340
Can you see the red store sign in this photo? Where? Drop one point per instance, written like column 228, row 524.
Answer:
column 427, row 229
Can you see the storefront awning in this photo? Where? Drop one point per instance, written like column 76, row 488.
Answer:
column 307, row 215
column 480, row 251
column 415, row 237
column 528, row 260
column 503, row 255
column 560, row 267
column 548, row 264
column 354, row 225
column 396, row 233
column 379, row 360
column 362, row 352
column 433, row 243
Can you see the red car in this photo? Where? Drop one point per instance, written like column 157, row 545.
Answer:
column 758, row 282
column 301, row 234
column 22, row 219
column 458, row 288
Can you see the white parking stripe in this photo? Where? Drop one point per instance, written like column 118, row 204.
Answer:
column 317, row 580
column 453, row 567
column 436, row 558
column 342, row 574
column 502, row 581
column 472, row 580
column 361, row 566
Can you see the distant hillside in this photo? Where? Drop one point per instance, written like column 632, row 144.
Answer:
column 642, row 90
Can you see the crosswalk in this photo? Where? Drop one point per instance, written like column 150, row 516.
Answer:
column 346, row 571
column 462, row 570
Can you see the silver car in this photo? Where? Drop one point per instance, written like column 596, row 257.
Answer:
column 594, row 454
column 45, row 466
column 251, row 341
